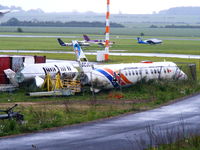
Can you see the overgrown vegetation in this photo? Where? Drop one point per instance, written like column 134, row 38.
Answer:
column 169, row 46
column 47, row 112
column 177, row 138
column 50, row 112
column 190, row 143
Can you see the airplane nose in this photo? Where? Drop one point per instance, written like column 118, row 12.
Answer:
column 182, row 76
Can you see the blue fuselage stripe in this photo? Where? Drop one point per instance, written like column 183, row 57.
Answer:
column 108, row 76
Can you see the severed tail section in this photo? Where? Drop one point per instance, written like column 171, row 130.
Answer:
column 80, row 56
column 84, row 65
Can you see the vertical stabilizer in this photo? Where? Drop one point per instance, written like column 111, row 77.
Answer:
column 61, row 42
column 85, row 66
column 79, row 53
column 86, row 37
column 139, row 39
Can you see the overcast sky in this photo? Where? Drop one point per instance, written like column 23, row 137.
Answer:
column 123, row 6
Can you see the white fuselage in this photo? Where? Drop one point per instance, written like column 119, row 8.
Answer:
column 115, row 75
column 41, row 70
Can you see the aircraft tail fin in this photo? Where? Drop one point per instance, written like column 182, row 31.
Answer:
column 61, row 42
column 86, row 37
column 139, row 39
column 79, row 52
column 11, row 76
column 85, row 66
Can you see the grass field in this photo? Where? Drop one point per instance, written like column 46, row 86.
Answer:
column 59, row 111
column 49, row 44
column 134, row 30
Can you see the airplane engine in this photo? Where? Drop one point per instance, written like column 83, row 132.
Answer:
column 19, row 77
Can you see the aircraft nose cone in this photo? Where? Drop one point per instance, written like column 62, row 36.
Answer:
column 183, row 76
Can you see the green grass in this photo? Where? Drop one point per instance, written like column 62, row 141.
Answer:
column 59, row 111
column 83, row 107
column 51, row 44
column 192, row 143
column 133, row 30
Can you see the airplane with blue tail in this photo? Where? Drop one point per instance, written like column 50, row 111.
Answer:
column 149, row 41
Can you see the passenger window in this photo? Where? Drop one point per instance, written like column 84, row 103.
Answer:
column 151, row 71
column 155, row 71
column 136, row 72
column 146, row 71
column 133, row 73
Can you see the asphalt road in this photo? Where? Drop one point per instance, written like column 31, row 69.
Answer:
column 129, row 132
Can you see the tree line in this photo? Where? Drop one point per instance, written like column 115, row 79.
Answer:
column 16, row 22
column 177, row 26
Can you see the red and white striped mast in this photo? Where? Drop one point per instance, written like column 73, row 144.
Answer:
column 107, row 31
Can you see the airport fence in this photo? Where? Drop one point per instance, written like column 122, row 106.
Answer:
column 189, row 68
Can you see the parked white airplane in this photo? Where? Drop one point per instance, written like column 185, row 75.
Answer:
column 38, row 72
column 116, row 75
column 81, row 43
